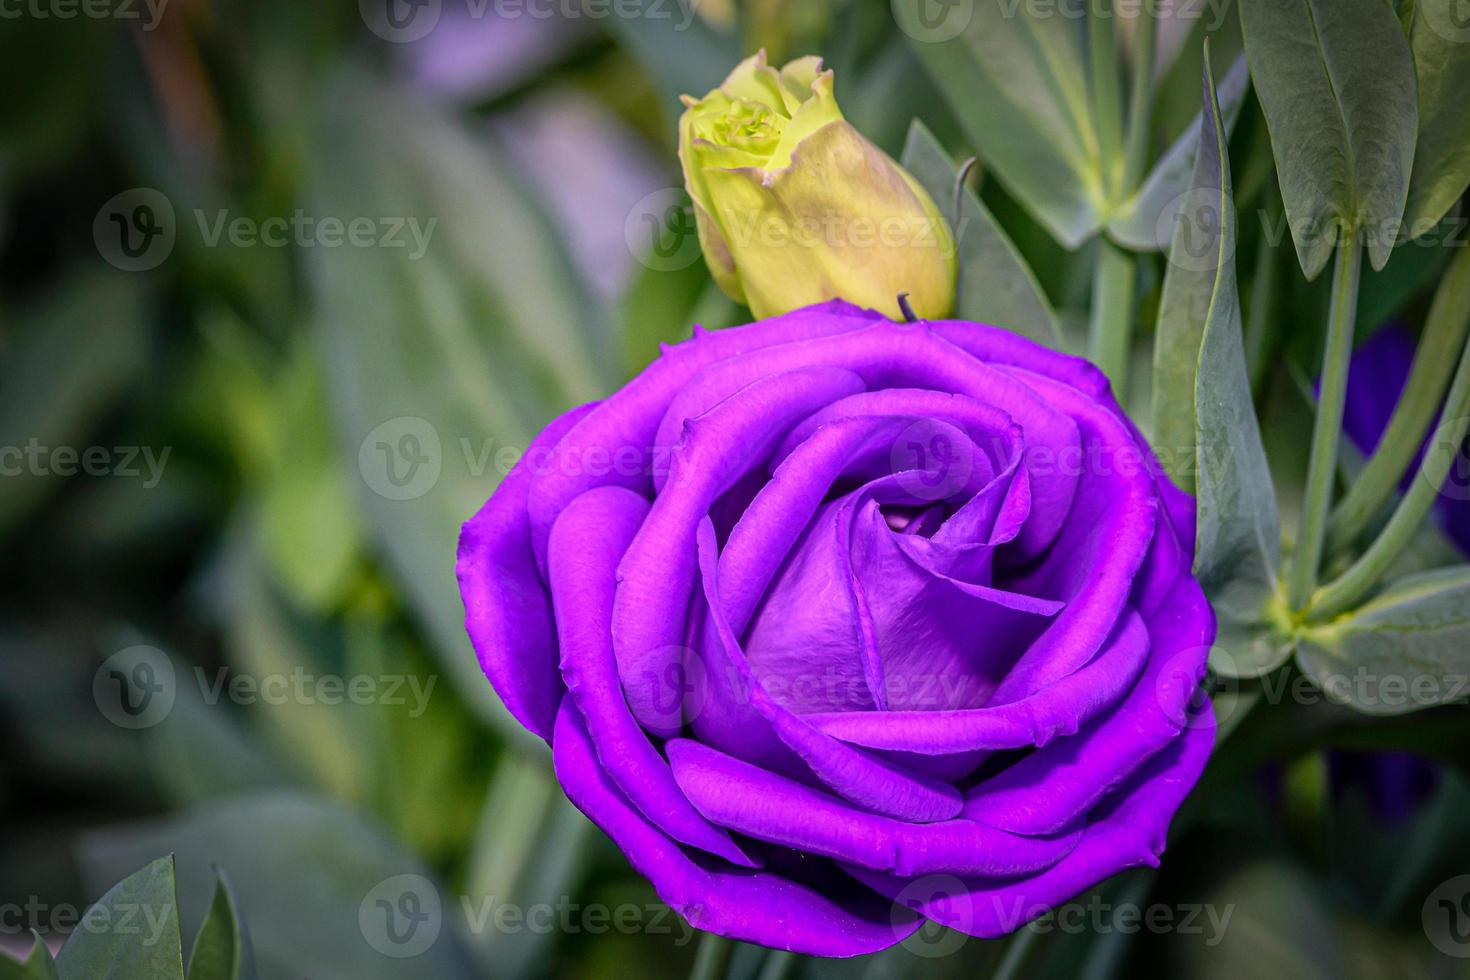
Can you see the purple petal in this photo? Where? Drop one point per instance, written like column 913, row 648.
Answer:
column 587, row 541
column 658, row 571
column 613, row 445
column 1052, row 787
column 1129, row 832
column 507, row 612
column 756, row 907
column 862, row 779
column 1059, row 709
column 760, row 804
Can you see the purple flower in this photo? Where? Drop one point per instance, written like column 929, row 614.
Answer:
column 861, row 623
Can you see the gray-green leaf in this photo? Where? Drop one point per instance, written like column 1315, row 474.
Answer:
column 1407, row 649
column 1014, row 80
column 995, row 285
column 1239, row 539
column 1336, row 81
column 327, row 895
column 37, row 966
column 1440, row 41
column 1141, row 223
column 132, row 933
column 222, row 948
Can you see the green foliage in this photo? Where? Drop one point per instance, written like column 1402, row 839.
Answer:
column 1336, row 81
column 995, row 285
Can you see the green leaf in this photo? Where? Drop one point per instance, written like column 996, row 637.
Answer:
column 1142, row 221
column 994, row 283
column 1336, row 81
column 309, row 877
column 1406, row 649
column 1204, row 413
column 37, row 966
column 222, row 947
column 311, row 531
column 440, row 363
column 131, row 933
column 1440, row 41
column 685, row 54
column 658, row 307
column 74, row 353
column 1015, row 82
column 1199, row 282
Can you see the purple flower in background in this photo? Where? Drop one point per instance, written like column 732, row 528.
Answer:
column 1376, row 379
column 836, row 625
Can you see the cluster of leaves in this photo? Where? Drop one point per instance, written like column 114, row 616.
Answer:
column 132, row 933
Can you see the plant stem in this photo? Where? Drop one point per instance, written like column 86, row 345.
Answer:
column 1015, row 957
column 1444, row 335
column 1322, row 465
column 1102, row 51
column 1110, row 333
column 1340, row 595
column 1140, row 100
column 712, row 960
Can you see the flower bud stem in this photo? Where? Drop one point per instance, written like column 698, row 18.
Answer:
column 1322, row 464
column 1444, row 336
column 906, row 309
column 1341, row 595
column 1111, row 330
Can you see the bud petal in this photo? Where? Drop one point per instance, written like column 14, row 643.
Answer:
column 794, row 206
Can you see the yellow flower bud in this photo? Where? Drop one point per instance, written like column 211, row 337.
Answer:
column 794, row 206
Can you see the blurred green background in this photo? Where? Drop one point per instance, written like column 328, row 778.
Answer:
column 284, row 289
